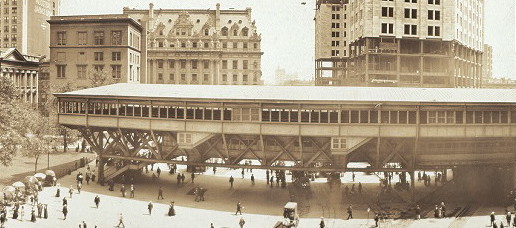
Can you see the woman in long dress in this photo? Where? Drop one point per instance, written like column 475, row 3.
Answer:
column 171, row 210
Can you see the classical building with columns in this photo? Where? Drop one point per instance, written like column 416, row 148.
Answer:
column 23, row 71
column 199, row 46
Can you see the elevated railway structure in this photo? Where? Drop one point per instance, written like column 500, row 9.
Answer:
column 314, row 128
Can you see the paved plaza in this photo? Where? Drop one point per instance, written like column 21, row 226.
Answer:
column 262, row 204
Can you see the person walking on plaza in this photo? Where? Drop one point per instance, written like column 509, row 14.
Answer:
column 121, row 221
column 241, row 222
column 149, row 207
column 418, row 212
column 360, row 188
column 79, row 186
column 267, row 176
column 239, row 208
column 322, row 224
column 132, row 190
column 70, row 191
column 97, row 201
column 178, row 178
column 242, row 173
column 122, row 189
column 158, row 171
column 40, row 210
column 214, row 172
column 350, row 212
column 192, row 176
column 88, row 178
column 231, row 180
column 45, row 211
column 492, row 217
column 252, row 179
column 443, row 210
column 65, row 211
column 171, row 210
column 508, row 218
column 160, row 193
column 183, row 178
column 376, row 219
column 65, row 201
column 33, row 215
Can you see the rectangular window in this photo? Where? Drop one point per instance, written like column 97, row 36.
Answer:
column 99, row 38
column 194, row 64
column 387, row 28
column 82, row 38
column 171, row 64
column 338, row 143
column 116, row 56
column 387, row 11
column 98, row 67
column 184, row 138
column 61, row 71
column 224, row 77
column 61, row 38
column 183, row 77
column 430, row 30
column 205, row 77
column 235, row 78
column 245, row 77
column 224, row 64
column 437, row 31
column 245, row 64
column 171, row 77
column 235, row 45
column 206, row 64
column 194, row 77
column 437, row 15
column 116, row 37
column 81, row 71
column 235, row 64
column 116, row 71
column 183, row 64
column 414, row 13
column 98, row 56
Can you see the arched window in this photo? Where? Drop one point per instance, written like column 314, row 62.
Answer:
column 235, row 32
column 206, row 32
column 245, row 32
column 224, row 31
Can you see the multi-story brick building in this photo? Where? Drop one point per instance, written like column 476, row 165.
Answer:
column 23, row 70
column 425, row 43
column 23, row 25
column 95, row 49
column 199, row 46
column 487, row 64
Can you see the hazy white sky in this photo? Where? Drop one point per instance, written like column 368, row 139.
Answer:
column 287, row 29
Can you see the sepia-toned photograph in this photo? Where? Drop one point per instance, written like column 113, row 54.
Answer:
column 257, row 113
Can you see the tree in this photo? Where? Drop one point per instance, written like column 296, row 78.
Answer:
column 99, row 77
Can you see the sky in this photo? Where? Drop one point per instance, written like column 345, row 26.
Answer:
column 287, row 29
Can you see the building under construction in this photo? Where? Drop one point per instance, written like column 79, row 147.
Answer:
column 426, row 43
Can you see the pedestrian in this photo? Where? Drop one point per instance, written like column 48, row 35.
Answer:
column 149, row 207
column 508, row 218
column 443, row 210
column 214, row 171
column 242, row 173
column 65, row 201
column 178, row 178
column 272, row 180
column 267, row 176
column 87, row 178
column 192, row 176
column 171, row 210
column 492, row 216
column 58, row 193
column 15, row 212
column 350, row 212
column 418, row 212
column 501, row 224
column 160, row 193
column 241, row 222
column 79, row 186
column 436, row 212
column 514, row 221
column 252, row 179
column 211, row 226
column 40, row 209
column 45, row 212
column 33, row 215
column 3, row 218
column 376, row 219
column 231, row 180
column 239, row 208
column 70, row 191
column 359, row 188
column 321, row 224
column 197, row 194
column 183, row 178
column 158, row 171
column 65, row 211
column 97, row 201
column 84, row 224
column 132, row 190
column 122, row 189
column 353, row 176
column 93, row 176
column 121, row 221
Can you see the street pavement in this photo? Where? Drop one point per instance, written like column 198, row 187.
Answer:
column 263, row 205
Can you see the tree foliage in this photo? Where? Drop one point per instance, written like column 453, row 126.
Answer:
column 99, row 77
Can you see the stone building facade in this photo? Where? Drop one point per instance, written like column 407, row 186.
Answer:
column 23, row 70
column 92, row 50
column 199, row 46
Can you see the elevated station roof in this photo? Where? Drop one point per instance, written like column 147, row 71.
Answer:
column 295, row 93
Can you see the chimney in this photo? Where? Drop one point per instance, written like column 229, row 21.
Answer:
column 217, row 16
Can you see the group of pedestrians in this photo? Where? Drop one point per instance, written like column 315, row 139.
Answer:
column 508, row 219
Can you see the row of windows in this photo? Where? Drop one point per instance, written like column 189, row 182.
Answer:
column 13, row 10
column 98, row 38
column 293, row 115
column 115, row 56
column 431, row 2
column 205, row 77
column 201, row 44
column 388, row 28
column 82, row 71
column 196, row 64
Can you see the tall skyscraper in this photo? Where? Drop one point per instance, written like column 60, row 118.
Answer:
column 411, row 43
column 24, row 25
